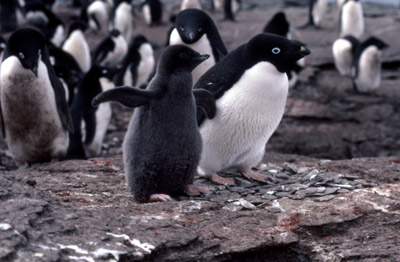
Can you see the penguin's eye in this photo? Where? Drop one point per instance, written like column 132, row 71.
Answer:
column 276, row 50
column 182, row 28
column 21, row 55
column 104, row 71
column 199, row 30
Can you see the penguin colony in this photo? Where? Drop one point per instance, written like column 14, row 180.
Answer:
column 204, row 108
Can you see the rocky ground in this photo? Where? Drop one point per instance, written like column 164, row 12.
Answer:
column 312, row 209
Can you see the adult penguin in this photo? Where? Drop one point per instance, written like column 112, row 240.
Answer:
column 352, row 19
column 196, row 29
column 35, row 115
column 162, row 145
column 316, row 12
column 250, row 86
column 111, row 50
column 152, row 12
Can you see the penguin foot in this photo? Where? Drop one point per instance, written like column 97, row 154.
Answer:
column 192, row 190
column 160, row 198
column 222, row 180
column 252, row 175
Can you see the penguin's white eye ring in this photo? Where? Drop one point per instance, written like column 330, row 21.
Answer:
column 21, row 55
column 276, row 50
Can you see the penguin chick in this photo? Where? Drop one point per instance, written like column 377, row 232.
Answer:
column 95, row 120
column 367, row 65
column 343, row 50
column 138, row 64
column 352, row 19
column 111, row 50
column 162, row 146
column 35, row 114
column 77, row 46
column 250, row 86
column 196, row 29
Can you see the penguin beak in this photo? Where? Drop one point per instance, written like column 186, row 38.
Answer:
column 304, row 51
column 201, row 58
column 191, row 36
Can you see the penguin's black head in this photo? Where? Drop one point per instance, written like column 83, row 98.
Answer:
column 376, row 42
column 180, row 57
column 27, row 45
column 138, row 40
column 77, row 25
column 277, row 50
column 192, row 24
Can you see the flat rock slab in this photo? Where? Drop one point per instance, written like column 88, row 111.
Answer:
column 83, row 211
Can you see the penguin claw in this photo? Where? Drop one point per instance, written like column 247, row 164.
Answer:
column 160, row 198
column 225, row 181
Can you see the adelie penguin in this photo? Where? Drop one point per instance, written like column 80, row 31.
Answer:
column 77, row 46
column 162, row 145
column 95, row 120
column 343, row 50
column 96, row 14
column 186, row 4
column 367, row 65
column 352, row 19
column 111, row 50
column 230, row 8
column 250, row 98
column 35, row 114
column 316, row 12
column 138, row 65
column 196, row 29
column 123, row 19
column 152, row 12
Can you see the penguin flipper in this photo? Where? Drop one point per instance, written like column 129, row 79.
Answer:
column 127, row 96
column 205, row 101
column 89, row 116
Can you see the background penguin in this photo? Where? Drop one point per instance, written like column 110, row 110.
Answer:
column 196, row 29
column 230, row 8
column 186, row 4
column 368, row 62
column 316, row 12
column 96, row 14
column 343, row 50
column 162, row 146
column 352, row 19
column 250, row 98
column 152, row 12
column 96, row 120
column 138, row 64
column 54, row 30
column 76, row 45
column 35, row 114
column 2, row 47
column 111, row 50
column 8, row 15
column 123, row 19
column 278, row 25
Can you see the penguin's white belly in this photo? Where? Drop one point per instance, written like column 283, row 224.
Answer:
column 147, row 14
column 352, row 19
column 32, row 124
column 123, row 20
column 190, row 4
column 369, row 70
column 342, row 56
column 247, row 115
column 103, row 118
column 100, row 10
column 235, row 6
column 77, row 46
column 119, row 52
column 146, row 65
column 218, row 5
column 128, row 81
column 319, row 11
column 203, row 47
column 58, row 36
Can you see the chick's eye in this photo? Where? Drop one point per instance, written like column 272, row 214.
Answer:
column 21, row 55
column 276, row 50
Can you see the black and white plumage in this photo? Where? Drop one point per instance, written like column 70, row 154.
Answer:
column 366, row 73
column 343, row 50
column 352, row 19
column 250, row 86
column 35, row 114
column 111, row 50
column 196, row 29
column 230, row 8
column 123, row 19
column 96, row 14
column 316, row 12
column 152, row 12
column 162, row 145
column 77, row 46
column 138, row 65
column 95, row 120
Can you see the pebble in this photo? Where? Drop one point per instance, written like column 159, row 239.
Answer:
column 324, row 198
column 291, row 168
